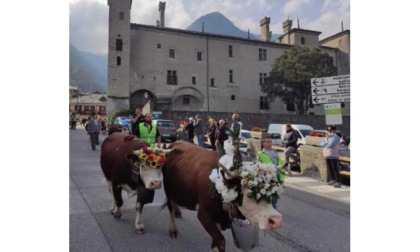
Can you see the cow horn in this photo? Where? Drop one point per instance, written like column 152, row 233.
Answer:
column 228, row 172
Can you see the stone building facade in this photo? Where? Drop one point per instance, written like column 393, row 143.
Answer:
column 182, row 70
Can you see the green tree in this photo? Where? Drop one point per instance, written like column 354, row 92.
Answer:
column 291, row 73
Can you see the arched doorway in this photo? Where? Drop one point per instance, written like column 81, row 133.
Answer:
column 143, row 99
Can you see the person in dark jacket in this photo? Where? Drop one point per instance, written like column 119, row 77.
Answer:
column 135, row 122
column 211, row 133
column 290, row 146
column 190, row 130
column 221, row 137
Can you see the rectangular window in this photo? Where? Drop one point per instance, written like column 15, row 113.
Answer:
column 263, row 76
column 186, row 100
column 230, row 51
column 121, row 15
column 86, row 108
column 212, row 82
column 159, row 46
column 264, row 104
column 171, row 53
column 199, row 56
column 118, row 45
column 171, row 78
column 92, row 108
column 193, row 80
column 231, row 76
column 118, row 60
column 232, row 97
column 262, row 54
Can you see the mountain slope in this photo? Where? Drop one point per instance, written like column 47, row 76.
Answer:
column 216, row 23
column 84, row 74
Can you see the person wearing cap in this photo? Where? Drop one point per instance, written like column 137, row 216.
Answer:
column 93, row 128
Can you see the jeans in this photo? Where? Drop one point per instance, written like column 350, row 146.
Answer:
column 94, row 139
column 200, row 140
column 288, row 153
column 274, row 202
column 332, row 165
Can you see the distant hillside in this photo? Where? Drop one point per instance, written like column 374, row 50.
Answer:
column 87, row 70
column 217, row 23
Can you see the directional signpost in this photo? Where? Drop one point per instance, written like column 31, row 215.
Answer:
column 334, row 89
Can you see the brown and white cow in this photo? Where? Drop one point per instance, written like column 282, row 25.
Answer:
column 118, row 163
column 186, row 182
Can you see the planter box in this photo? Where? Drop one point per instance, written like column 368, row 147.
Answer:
column 313, row 140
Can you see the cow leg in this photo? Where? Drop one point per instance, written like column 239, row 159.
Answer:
column 118, row 200
column 218, row 243
column 139, row 222
column 177, row 211
column 113, row 200
column 173, row 230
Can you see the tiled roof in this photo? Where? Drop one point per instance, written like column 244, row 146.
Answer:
column 92, row 98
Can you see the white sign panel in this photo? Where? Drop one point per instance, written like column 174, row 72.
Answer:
column 333, row 114
column 332, row 89
column 332, row 98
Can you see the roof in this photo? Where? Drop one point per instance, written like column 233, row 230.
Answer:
column 296, row 30
column 92, row 98
column 205, row 34
column 335, row 36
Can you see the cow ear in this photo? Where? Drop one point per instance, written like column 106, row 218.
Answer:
column 132, row 158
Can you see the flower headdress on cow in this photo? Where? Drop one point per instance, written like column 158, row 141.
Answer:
column 155, row 158
column 261, row 179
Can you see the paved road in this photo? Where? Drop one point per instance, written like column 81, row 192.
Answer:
column 311, row 222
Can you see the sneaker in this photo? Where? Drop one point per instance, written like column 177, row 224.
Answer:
column 337, row 185
column 332, row 182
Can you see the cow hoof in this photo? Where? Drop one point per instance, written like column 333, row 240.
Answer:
column 117, row 214
column 140, row 231
column 173, row 233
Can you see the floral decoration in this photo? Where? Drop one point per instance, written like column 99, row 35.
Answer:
column 261, row 180
column 154, row 158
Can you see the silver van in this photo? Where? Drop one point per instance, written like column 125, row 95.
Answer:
column 277, row 130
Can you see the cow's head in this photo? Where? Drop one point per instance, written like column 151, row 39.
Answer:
column 149, row 174
column 253, row 190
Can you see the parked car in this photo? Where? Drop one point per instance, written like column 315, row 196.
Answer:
column 124, row 121
column 276, row 131
column 167, row 130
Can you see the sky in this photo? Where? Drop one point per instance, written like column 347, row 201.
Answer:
column 88, row 21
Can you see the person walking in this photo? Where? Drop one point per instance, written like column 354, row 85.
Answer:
column 73, row 121
column 331, row 154
column 290, row 146
column 269, row 156
column 221, row 137
column 198, row 130
column 211, row 133
column 93, row 128
column 135, row 121
column 190, row 130
column 149, row 132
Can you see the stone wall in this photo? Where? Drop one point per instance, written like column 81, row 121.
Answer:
column 312, row 162
column 261, row 120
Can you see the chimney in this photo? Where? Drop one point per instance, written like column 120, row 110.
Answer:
column 162, row 13
column 265, row 29
column 287, row 26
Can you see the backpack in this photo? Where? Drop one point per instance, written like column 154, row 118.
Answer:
column 296, row 134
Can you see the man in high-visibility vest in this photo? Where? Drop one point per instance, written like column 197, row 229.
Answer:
column 149, row 133
column 268, row 155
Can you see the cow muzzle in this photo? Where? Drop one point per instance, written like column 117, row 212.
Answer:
column 275, row 221
column 155, row 184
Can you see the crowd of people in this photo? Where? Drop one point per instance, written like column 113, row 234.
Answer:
column 215, row 131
